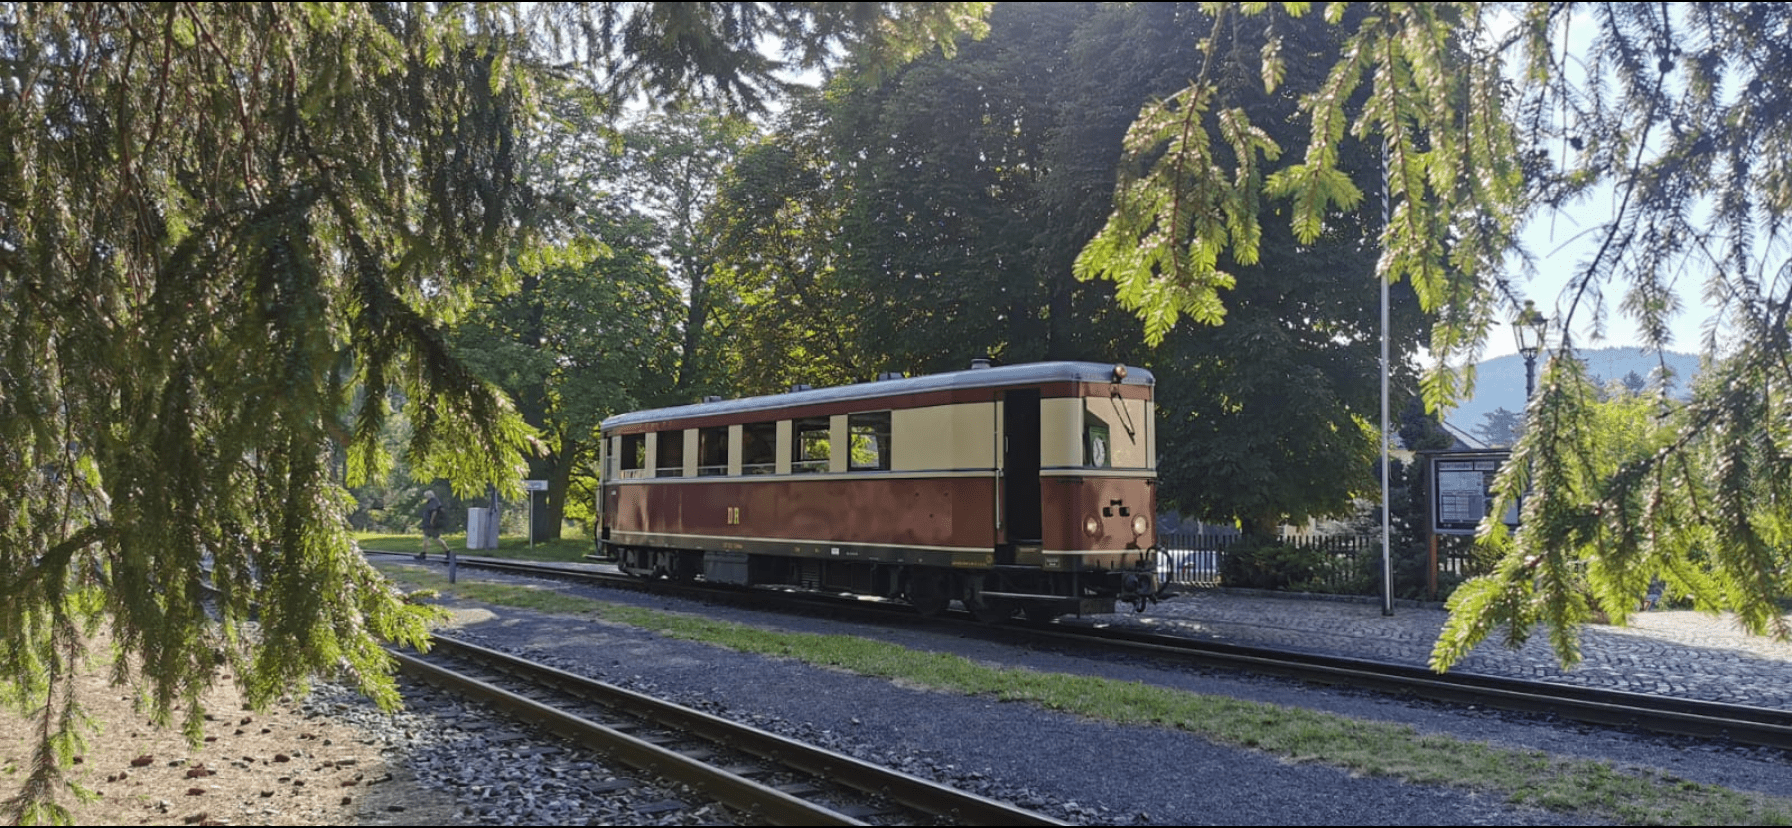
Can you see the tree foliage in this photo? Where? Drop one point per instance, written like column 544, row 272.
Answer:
column 918, row 223
column 1202, row 164
column 591, row 330
column 1487, row 115
column 961, row 223
column 1269, row 417
column 1500, row 427
column 589, row 333
column 216, row 228
column 778, row 298
column 937, row 217
column 216, row 223
column 744, row 52
column 673, row 164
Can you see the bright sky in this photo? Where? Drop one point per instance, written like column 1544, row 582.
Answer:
column 1564, row 242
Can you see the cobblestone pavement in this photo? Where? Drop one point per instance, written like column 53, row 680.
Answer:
column 1671, row 652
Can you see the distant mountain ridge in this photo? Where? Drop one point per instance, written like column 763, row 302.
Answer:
column 1499, row 382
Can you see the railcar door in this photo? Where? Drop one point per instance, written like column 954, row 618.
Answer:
column 605, row 478
column 1020, row 467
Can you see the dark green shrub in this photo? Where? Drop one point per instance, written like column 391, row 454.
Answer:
column 1258, row 564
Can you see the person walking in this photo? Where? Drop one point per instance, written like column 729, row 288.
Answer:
column 434, row 515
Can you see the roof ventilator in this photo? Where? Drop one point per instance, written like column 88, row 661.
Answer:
column 980, row 362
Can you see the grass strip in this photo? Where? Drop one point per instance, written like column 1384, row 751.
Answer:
column 1581, row 786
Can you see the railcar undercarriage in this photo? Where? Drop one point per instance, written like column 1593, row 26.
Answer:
column 995, row 594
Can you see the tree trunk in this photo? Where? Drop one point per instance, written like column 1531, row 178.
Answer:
column 559, row 477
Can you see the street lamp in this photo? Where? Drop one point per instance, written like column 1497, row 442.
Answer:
column 1529, row 328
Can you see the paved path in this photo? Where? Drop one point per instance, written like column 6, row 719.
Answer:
column 1672, row 652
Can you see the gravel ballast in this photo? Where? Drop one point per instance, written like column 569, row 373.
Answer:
column 1065, row 766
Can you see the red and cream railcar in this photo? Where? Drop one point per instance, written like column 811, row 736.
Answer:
column 1017, row 488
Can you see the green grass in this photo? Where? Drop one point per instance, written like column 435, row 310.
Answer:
column 1595, row 789
column 513, row 548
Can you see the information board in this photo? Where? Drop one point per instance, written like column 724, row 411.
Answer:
column 1462, row 489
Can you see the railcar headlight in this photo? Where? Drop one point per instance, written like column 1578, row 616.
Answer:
column 1092, row 526
column 1140, row 524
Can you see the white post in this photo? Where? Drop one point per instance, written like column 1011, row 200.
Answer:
column 1387, row 542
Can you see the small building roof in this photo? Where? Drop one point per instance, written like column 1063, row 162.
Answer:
column 1464, row 440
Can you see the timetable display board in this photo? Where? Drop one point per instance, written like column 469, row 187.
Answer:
column 1462, row 489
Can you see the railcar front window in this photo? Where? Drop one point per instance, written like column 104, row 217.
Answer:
column 1098, row 444
column 759, row 448
column 712, row 451
column 869, row 437
column 1115, row 434
column 809, row 444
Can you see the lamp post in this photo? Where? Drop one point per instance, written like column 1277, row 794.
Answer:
column 1529, row 328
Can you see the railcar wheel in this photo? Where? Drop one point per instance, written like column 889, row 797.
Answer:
column 982, row 609
column 992, row 612
column 634, row 563
column 684, row 567
column 929, row 591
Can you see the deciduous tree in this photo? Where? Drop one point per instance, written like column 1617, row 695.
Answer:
column 780, row 303
column 671, row 166
column 592, row 328
column 968, row 186
column 590, row 332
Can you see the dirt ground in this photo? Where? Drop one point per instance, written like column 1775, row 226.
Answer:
column 272, row 768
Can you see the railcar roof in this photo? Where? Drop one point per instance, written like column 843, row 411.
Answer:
column 1031, row 373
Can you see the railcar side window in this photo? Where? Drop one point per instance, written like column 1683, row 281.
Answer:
column 712, row 451
column 669, row 454
column 869, row 436
column 759, row 448
column 634, row 454
column 809, row 444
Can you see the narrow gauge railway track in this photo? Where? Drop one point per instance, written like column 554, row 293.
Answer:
column 1741, row 724
column 699, row 750
column 1658, row 714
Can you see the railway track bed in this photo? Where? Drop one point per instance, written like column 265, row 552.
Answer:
column 1071, row 768
column 764, row 777
column 1657, row 713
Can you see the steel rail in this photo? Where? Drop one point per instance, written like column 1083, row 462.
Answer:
column 905, row 789
column 1662, row 714
column 737, row 792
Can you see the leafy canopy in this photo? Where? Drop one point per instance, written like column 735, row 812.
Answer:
column 217, row 221
column 937, row 217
